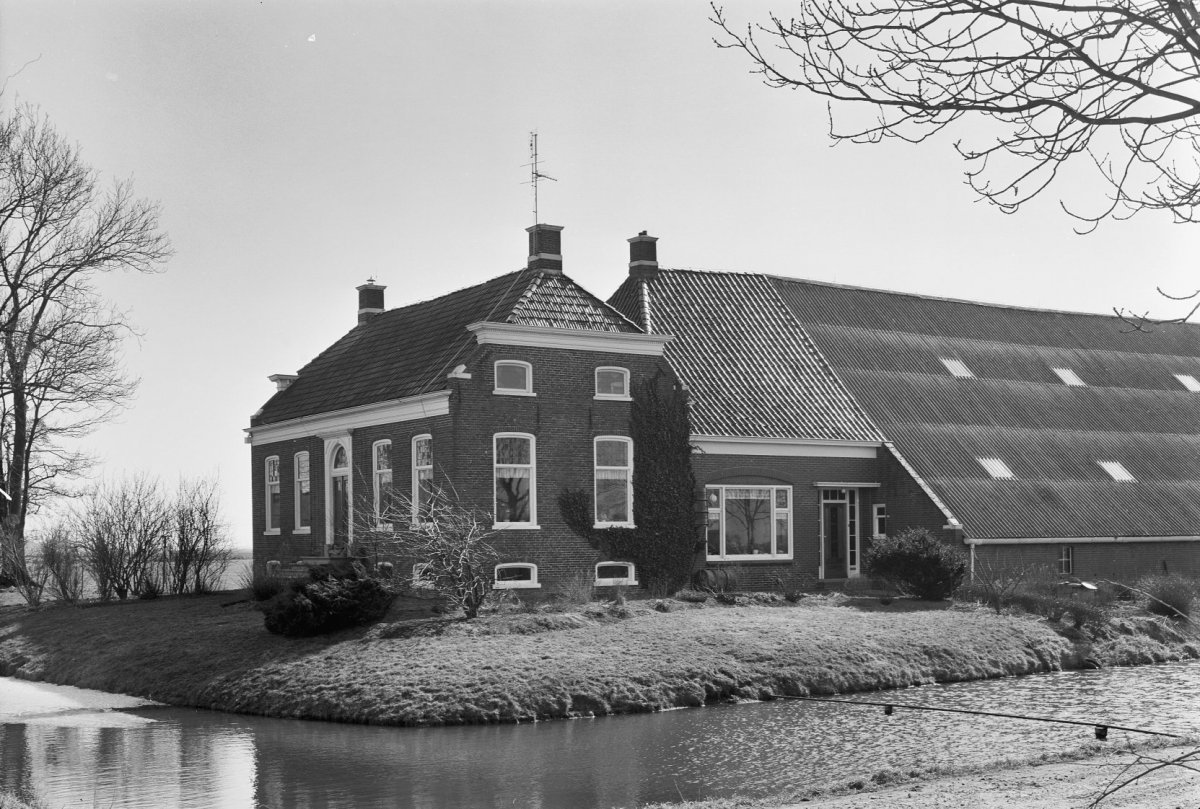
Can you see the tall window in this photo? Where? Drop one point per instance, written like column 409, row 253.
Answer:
column 338, row 519
column 422, row 476
column 1066, row 560
column 614, row 481
column 879, row 520
column 303, row 493
column 382, row 478
column 272, row 525
column 515, row 483
column 749, row 522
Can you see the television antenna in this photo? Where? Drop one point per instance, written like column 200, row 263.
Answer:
column 535, row 173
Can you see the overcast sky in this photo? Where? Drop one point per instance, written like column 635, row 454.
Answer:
column 298, row 148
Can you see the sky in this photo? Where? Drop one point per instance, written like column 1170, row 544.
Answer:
column 298, row 148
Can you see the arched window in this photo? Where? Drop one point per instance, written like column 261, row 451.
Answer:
column 514, row 377
column 381, row 478
column 612, row 383
column 515, row 480
column 613, row 481
column 515, row 576
column 422, row 476
column 271, row 525
column 611, row 574
column 303, row 489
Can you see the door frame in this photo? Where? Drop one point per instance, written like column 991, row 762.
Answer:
column 849, row 497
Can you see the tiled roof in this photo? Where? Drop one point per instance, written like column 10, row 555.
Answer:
column 749, row 368
column 886, row 347
column 408, row 351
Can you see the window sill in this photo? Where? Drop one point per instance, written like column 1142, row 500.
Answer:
column 607, row 397
column 613, row 525
column 516, row 585
column 516, row 526
column 615, row 583
column 304, row 531
column 757, row 557
column 513, row 393
column 271, row 532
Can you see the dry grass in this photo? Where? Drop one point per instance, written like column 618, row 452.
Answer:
column 192, row 651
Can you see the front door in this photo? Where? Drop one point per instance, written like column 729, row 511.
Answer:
column 839, row 533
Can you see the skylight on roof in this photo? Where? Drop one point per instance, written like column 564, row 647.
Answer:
column 1188, row 381
column 957, row 368
column 1069, row 377
column 996, row 468
column 1116, row 470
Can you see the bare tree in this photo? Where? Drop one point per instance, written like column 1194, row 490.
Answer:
column 197, row 549
column 122, row 529
column 60, row 371
column 1115, row 85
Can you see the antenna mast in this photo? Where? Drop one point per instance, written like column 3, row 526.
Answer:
column 534, row 173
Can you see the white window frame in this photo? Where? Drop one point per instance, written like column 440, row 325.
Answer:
column 596, row 468
column 630, row 580
column 532, row 584
column 957, row 368
column 997, row 468
column 1117, row 471
column 331, row 448
column 499, row 391
column 878, row 513
column 776, row 514
column 376, row 487
column 1188, row 381
column 416, row 475
column 532, row 523
column 297, row 482
column 1069, row 377
column 612, row 397
column 419, row 581
column 1066, row 560
column 270, row 528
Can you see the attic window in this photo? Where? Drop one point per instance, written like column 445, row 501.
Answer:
column 1069, row 377
column 996, row 468
column 1188, row 381
column 514, row 378
column 957, row 368
column 1117, row 471
column 612, row 383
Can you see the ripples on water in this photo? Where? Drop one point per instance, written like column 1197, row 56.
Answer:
column 204, row 759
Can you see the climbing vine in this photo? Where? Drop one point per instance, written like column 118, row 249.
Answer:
column 663, row 544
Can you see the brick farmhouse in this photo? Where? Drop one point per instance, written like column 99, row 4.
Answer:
column 821, row 415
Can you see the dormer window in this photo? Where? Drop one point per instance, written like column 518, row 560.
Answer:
column 957, row 367
column 1117, row 471
column 1188, row 381
column 514, row 378
column 996, row 468
column 612, row 383
column 1069, row 377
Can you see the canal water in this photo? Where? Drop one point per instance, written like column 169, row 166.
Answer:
column 74, row 751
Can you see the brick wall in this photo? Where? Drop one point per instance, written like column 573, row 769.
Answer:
column 1124, row 561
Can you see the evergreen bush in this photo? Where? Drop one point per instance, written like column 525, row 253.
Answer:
column 917, row 563
column 326, row 603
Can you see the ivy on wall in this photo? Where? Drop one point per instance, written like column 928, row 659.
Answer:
column 663, row 545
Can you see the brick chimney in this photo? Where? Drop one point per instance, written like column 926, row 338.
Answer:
column 643, row 256
column 545, row 248
column 370, row 300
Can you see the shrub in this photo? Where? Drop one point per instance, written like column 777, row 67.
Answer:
column 1169, row 595
column 574, row 590
column 917, row 563
column 326, row 604
column 262, row 584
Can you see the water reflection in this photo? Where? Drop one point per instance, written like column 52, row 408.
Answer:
column 204, row 759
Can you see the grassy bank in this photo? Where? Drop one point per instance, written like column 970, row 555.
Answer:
column 415, row 670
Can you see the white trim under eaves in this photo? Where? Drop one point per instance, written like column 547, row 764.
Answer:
column 835, row 484
column 511, row 334
column 340, row 421
column 783, row 447
column 1073, row 540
